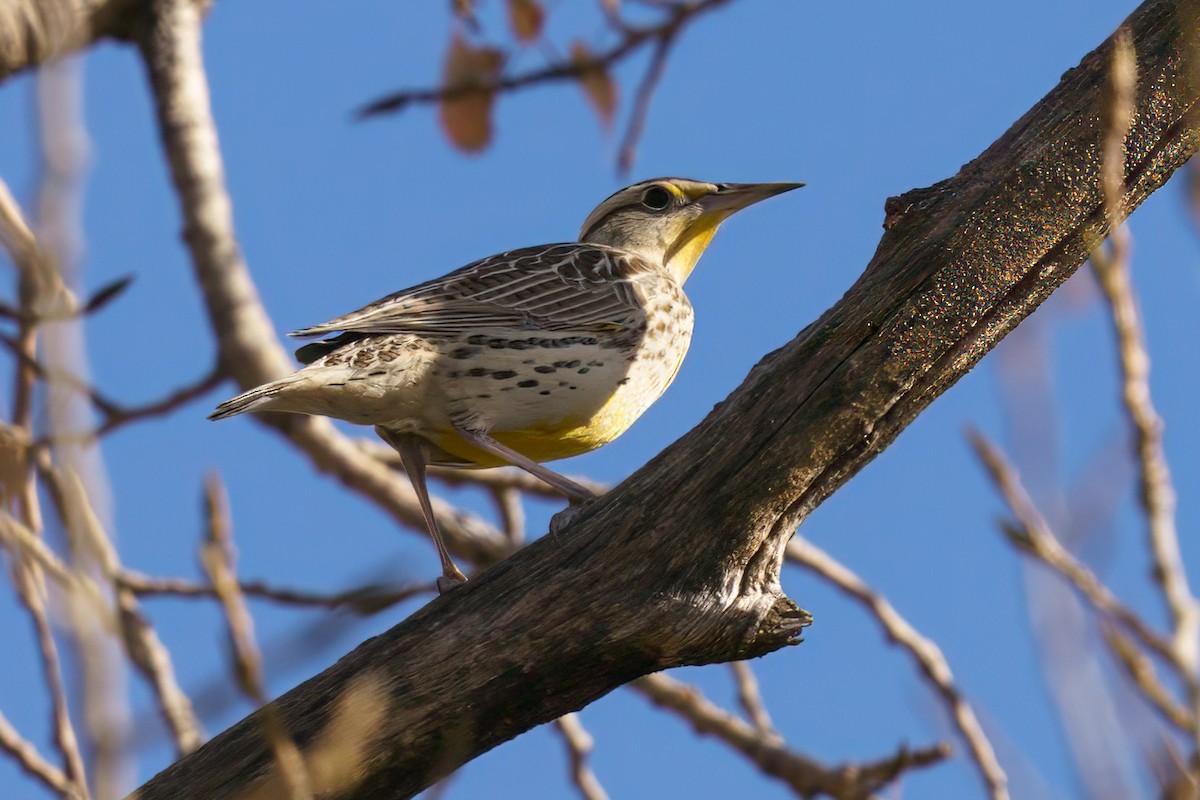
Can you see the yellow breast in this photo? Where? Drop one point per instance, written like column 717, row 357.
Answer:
column 572, row 423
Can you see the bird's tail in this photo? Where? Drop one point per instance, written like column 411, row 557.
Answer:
column 252, row 400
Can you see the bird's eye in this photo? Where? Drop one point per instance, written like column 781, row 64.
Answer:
column 656, row 198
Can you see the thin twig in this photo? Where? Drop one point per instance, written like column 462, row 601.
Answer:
column 145, row 650
column 750, row 698
column 38, row 289
column 27, row 545
column 27, row 578
column 641, row 103
column 16, row 237
column 24, row 544
column 116, row 415
column 363, row 600
column 247, row 344
column 1140, row 670
column 771, row 755
column 1157, row 492
column 218, row 559
column 927, row 655
column 579, row 746
column 141, row 641
column 18, row 240
column 113, row 414
column 678, row 17
column 512, row 513
column 30, row 760
column 1033, row 535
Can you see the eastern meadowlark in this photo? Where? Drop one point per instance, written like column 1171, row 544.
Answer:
column 527, row 356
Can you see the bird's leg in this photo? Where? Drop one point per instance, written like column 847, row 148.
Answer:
column 574, row 492
column 412, row 454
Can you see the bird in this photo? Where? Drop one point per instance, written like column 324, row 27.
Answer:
column 527, row 356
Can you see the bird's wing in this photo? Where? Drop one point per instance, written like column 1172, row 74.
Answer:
column 552, row 287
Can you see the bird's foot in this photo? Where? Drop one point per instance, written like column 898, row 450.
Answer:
column 562, row 519
column 447, row 582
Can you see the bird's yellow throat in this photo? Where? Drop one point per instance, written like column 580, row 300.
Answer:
column 681, row 259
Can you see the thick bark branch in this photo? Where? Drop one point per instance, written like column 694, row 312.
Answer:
column 35, row 31
column 680, row 564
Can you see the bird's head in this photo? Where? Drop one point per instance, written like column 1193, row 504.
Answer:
column 670, row 221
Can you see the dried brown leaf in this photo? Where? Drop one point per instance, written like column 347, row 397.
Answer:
column 466, row 110
column 526, row 17
column 465, row 11
column 597, row 84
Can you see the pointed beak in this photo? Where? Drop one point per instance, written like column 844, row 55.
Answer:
column 715, row 207
column 731, row 197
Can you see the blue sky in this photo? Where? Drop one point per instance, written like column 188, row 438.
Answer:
column 859, row 101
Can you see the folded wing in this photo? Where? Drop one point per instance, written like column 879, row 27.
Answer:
column 564, row 287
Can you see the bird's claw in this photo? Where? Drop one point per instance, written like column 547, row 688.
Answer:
column 560, row 521
column 447, row 582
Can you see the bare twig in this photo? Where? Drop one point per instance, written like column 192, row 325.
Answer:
column 116, row 415
column 679, row 15
column 770, row 754
column 1157, row 493
column 924, row 652
column 579, row 746
column 138, row 636
column 25, row 544
column 33, row 276
column 512, row 513
column 38, row 288
column 30, row 760
column 1033, row 535
column 218, row 559
column 361, row 600
column 246, row 341
column 113, row 414
column 28, row 580
column 15, row 235
column 750, row 698
column 641, row 103
column 1140, row 670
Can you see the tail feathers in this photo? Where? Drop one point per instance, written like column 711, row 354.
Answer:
column 247, row 401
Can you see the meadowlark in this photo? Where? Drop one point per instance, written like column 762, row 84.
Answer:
column 524, row 357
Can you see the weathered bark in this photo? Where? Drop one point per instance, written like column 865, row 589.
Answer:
column 35, row 31
column 680, row 563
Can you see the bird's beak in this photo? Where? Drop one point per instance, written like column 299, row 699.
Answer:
column 731, row 197
column 715, row 208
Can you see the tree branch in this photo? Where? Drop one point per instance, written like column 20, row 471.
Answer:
column 927, row 655
column 579, row 746
column 806, row 777
column 35, row 31
column 680, row 563
column 30, row 760
column 1033, row 535
column 678, row 16
column 248, row 347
